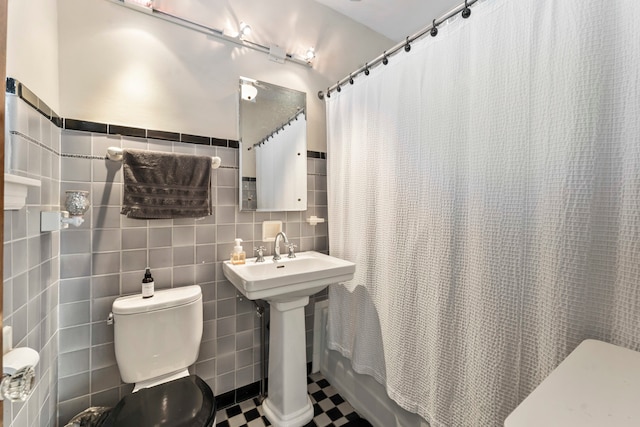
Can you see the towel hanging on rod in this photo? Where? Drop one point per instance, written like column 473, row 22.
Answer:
column 115, row 154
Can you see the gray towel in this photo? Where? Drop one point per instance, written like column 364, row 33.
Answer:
column 166, row 185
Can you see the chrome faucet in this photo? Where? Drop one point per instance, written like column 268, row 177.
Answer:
column 276, row 246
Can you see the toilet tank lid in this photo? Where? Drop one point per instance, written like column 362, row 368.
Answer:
column 162, row 299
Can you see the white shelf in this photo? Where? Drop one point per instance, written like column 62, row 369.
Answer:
column 15, row 190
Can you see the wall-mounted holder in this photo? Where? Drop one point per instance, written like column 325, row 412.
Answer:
column 314, row 220
column 115, row 154
column 18, row 370
column 77, row 203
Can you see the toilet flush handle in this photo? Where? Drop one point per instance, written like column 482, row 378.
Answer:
column 110, row 319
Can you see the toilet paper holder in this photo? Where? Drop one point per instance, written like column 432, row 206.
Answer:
column 18, row 373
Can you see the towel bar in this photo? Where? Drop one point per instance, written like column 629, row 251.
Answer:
column 115, row 154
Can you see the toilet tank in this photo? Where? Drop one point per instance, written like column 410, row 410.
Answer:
column 159, row 335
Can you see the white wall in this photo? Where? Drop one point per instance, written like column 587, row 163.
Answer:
column 32, row 47
column 124, row 67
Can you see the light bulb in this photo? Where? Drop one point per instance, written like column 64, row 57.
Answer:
column 310, row 54
column 245, row 30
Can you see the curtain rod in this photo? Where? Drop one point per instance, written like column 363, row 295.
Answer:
column 384, row 57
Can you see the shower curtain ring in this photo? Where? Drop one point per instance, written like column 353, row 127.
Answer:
column 366, row 69
column 350, row 79
column 339, row 88
column 385, row 60
column 434, row 29
column 407, row 46
column 466, row 12
column 328, row 93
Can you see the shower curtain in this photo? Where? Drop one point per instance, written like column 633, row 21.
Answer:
column 487, row 185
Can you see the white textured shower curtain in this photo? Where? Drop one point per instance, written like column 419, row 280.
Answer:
column 487, row 184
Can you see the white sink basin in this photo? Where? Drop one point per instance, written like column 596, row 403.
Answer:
column 304, row 275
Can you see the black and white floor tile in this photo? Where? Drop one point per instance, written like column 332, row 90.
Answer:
column 330, row 409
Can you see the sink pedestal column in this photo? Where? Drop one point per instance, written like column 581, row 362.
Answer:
column 288, row 403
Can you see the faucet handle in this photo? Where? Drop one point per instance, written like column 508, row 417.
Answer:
column 291, row 248
column 260, row 253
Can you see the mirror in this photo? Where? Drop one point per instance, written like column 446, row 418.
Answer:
column 273, row 147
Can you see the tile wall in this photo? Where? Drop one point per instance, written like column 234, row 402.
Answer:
column 31, row 258
column 59, row 286
column 105, row 257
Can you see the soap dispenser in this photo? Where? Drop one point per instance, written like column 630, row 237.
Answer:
column 238, row 256
column 147, row 284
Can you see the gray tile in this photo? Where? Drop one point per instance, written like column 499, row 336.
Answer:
column 244, row 358
column 161, row 237
column 206, row 369
column 208, row 350
column 107, row 398
column 73, row 363
column 205, row 273
column 106, row 240
column 74, row 314
column 226, row 233
column 106, row 217
column 226, row 326
column 183, row 276
column 245, row 322
column 159, row 258
column 109, row 193
column 105, row 263
column 34, row 162
column 73, row 169
column 75, row 338
column 19, row 253
column 105, row 286
column 134, row 238
column 105, row 378
column 244, row 340
column 103, row 356
column 68, row 409
column 75, row 266
column 226, row 214
column 101, row 333
column 227, row 196
column 73, row 386
column 107, row 171
column 183, row 255
column 134, row 222
column 18, row 223
column 33, row 251
column 75, row 242
column 226, row 307
column 225, row 363
column 205, row 254
column 8, row 268
column 20, row 290
column 227, row 178
column 101, row 307
column 19, row 324
column 209, row 310
column 75, row 142
column 134, row 260
column 7, row 297
column 184, row 236
column 100, row 143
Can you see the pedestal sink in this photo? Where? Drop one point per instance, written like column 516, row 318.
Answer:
column 286, row 285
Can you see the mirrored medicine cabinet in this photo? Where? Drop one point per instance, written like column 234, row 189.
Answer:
column 273, row 147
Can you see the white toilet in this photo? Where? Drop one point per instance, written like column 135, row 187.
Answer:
column 156, row 340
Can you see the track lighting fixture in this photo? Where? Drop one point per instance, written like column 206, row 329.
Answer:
column 245, row 30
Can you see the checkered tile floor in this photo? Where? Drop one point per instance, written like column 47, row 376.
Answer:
column 330, row 409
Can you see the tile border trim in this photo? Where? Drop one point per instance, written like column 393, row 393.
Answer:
column 14, row 87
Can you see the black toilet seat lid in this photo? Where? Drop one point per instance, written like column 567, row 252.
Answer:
column 185, row 402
